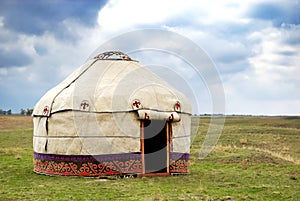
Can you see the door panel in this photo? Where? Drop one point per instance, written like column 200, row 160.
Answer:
column 155, row 146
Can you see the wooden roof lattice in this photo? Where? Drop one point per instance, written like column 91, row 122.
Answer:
column 113, row 55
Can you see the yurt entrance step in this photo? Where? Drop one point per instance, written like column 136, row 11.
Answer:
column 154, row 175
column 155, row 146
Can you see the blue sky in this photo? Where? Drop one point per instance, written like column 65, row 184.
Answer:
column 255, row 45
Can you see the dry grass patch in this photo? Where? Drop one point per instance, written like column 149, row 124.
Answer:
column 250, row 155
column 15, row 122
column 10, row 150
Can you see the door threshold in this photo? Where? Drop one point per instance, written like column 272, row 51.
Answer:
column 162, row 174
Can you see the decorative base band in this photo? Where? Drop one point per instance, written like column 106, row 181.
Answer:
column 179, row 163
column 93, row 166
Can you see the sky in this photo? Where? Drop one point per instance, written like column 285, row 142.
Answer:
column 254, row 45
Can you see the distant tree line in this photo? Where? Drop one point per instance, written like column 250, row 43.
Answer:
column 5, row 112
column 27, row 112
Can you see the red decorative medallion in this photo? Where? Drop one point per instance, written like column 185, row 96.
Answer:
column 136, row 104
column 84, row 105
column 46, row 110
column 177, row 107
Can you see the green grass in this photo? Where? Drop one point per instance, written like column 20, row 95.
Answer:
column 256, row 158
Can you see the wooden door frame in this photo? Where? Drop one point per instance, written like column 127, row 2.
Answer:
column 168, row 134
column 142, row 145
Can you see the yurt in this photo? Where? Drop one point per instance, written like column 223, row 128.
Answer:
column 112, row 116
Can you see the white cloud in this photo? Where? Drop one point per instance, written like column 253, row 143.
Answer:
column 247, row 57
column 277, row 66
column 51, row 61
column 117, row 15
column 272, row 82
column 1, row 21
column 3, row 72
column 259, row 63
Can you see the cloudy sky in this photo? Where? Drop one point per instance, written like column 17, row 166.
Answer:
column 254, row 44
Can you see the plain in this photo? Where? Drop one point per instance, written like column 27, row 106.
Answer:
column 256, row 158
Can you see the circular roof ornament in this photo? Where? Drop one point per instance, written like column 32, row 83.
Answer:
column 177, row 107
column 136, row 104
column 84, row 105
column 46, row 111
column 113, row 55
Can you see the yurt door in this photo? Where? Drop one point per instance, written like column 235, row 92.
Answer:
column 155, row 146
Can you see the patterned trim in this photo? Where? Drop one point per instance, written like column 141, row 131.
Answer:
column 89, row 166
column 93, row 166
column 179, row 163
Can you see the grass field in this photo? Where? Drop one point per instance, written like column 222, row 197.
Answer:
column 256, row 158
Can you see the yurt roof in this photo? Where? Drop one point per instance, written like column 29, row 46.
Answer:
column 112, row 82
